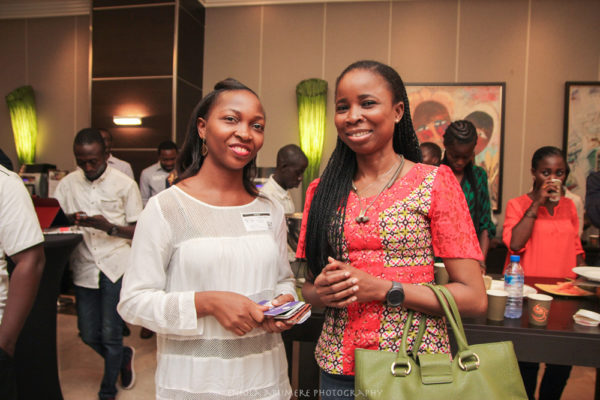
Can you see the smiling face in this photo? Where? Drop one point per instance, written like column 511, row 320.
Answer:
column 365, row 112
column 550, row 167
column 233, row 129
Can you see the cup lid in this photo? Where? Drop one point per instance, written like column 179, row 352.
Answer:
column 594, row 316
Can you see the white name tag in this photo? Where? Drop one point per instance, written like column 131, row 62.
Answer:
column 256, row 222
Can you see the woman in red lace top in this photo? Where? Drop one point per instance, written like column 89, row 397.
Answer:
column 371, row 226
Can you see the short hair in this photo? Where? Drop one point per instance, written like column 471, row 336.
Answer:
column 547, row 151
column 167, row 145
column 435, row 150
column 107, row 131
column 290, row 153
column 89, row 136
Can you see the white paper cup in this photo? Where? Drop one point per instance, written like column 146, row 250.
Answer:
column 555, row 196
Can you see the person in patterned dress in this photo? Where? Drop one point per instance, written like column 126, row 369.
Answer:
column 460, row 140
column 370, row 228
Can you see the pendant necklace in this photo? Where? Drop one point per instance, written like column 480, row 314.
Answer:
column 362, row 218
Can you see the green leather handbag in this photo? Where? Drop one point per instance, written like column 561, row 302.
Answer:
column 481, row 371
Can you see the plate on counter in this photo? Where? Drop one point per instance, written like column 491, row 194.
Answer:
column 499, row 285
column 591, row 273
column 563, row 289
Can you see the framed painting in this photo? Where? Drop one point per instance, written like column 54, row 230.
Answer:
column 435, row 105
column 582, row 132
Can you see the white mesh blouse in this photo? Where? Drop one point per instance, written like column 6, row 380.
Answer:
column 182, row 246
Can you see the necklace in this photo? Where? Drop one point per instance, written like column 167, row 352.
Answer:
column 362, row 218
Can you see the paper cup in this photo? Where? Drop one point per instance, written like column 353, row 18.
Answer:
column 538, row 308
column 496, row 304
column 440, row 274
column 555, row 196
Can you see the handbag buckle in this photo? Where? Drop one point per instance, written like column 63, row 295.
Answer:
column 397, row 364
column 469, row 367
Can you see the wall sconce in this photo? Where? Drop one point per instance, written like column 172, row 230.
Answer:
column 130, row 121
column 311, row 95
column 21, row 104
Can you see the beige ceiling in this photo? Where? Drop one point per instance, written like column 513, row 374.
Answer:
column 10, row 9
column 228, row 3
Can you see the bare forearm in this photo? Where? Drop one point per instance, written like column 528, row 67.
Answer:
column 310, row 295
column 522, row 231
column 23, row 289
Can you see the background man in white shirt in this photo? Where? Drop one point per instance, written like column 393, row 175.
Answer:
column 113, row 161
column 106, row 204
column 154, row 178
column 291, row 163
column 20, row 238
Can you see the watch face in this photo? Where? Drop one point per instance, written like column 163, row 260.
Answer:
column 395, row 297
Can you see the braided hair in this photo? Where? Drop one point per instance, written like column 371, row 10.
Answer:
column 324, row 231
column 464, row 132
column 190, row 158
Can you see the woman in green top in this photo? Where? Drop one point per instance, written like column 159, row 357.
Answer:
column 460, row 140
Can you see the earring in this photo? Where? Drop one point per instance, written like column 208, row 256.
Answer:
column 203, row 149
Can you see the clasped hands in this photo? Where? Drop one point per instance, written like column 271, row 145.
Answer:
column 340, row 284
column 240, row 315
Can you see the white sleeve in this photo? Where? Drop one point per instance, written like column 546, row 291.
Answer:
column 127, row 170
column 19, row 225
column 144, row 300
column 145, row 186
column 133, row 204
column 286, row 283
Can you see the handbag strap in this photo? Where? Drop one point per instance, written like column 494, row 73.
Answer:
column 467, row 360
column 453, row 306
column 402, row 359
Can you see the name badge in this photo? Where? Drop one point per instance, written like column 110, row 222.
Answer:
column 256, row 222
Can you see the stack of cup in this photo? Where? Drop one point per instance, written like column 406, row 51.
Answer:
column 538, row 308
column 496, row 304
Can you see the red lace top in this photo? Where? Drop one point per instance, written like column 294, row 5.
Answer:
column 423, row 212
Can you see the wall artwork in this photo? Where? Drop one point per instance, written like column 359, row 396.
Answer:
column 435, row 105
column 582, row 132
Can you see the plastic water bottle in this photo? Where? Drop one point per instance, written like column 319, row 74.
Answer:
column 513, row 284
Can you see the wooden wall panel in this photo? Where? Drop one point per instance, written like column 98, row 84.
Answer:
column 138, row 159
column 133, row 41
column 148, row 98
column 187, row 98
column 190, row 60
column 118, row 3
column 288, row 59
column 13, row 56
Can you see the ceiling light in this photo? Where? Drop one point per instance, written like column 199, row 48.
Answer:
column 127, row 120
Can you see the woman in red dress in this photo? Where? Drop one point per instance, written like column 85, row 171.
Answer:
column 371, row 226
column 545, row 234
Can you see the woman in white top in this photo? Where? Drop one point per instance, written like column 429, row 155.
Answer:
column 205, row 252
